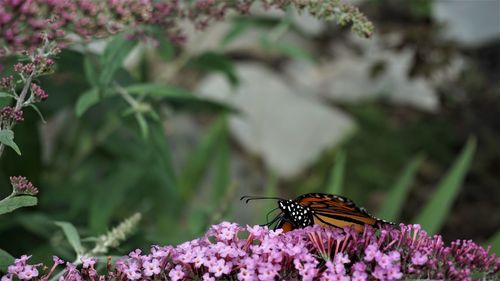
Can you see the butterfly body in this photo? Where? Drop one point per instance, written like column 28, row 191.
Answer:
column 324, row 210
column 295, row 213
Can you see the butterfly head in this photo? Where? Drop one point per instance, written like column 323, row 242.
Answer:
column 296, row 214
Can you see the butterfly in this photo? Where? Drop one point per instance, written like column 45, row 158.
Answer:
column 321, row 209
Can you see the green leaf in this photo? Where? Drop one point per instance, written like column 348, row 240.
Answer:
column 166, row 49
column 37, row 223
column 177, row 97
column 494, row 242
column 112, row 58
column 143, row 125
column 211, row 61
column 197, row 219
column 86, row 101
column 222, row 167
column 5, row 95
column 90, row 71
column 197, row 105
column 6, row 259
column 433, row 214
column 156, row 90
column 237, row 29
column 38, row 112
column 7, row 138
column 159, row 143
column 119, row 184
column 72, row 235
column 394, row 201
column 195, row 167
column 336, row 181
column 240, row 24
column 153, row 115
column 10, row 204
column 421, row 9
column 288, row 49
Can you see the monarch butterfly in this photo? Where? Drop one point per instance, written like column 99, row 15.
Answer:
column 319, row 208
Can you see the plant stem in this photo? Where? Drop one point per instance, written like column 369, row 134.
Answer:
column 126, row 96
column 22, row 96
column 19, row 104
column 8, row 197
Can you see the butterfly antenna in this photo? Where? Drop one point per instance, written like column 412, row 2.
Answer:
column 268, row 213
column 278, row 217
column 250, row 198
column 269, row 223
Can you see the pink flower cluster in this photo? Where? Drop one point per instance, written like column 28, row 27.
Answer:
column 9, row 114
column 22, row 185
column 25, row 24
column 39, row 94
column 30, row 92
column 23, row 270
column 231, row 252
column 7, row 82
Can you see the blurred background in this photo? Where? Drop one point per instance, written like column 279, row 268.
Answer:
column 405, row 124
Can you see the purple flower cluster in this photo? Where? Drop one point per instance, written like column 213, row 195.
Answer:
column 25, row 24
column 21, row 185
column 23, row 270
column 7, row 82
column 168, row 14
column 39, row 94
column 30, row 92
column 231, row 252
column 9, row 114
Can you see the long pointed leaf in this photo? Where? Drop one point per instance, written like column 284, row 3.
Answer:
column 394, row 202
column 6, row 259
column 433, row 215
column 110, row 194
column 494, row 242
column 178, row 97
column 143, row 125
column 159, row 142
column 336, row 180
column 196, row 166
column 86, row 100
column 10, row 204
column 212, row 61
column 112, row 58
column 91, row 73
column 72, row 235
column 7, row 138
column 222, row 168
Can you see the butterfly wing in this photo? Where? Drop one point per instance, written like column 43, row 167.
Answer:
column 337, row 211
column 286, row 226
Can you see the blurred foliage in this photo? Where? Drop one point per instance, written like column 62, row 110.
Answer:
column 495, row 243
column 398, row 193
column 105, row 154
column 433, row 214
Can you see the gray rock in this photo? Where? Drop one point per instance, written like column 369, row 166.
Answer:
column 288, row 130
column 348, row 77
column 471, row 23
